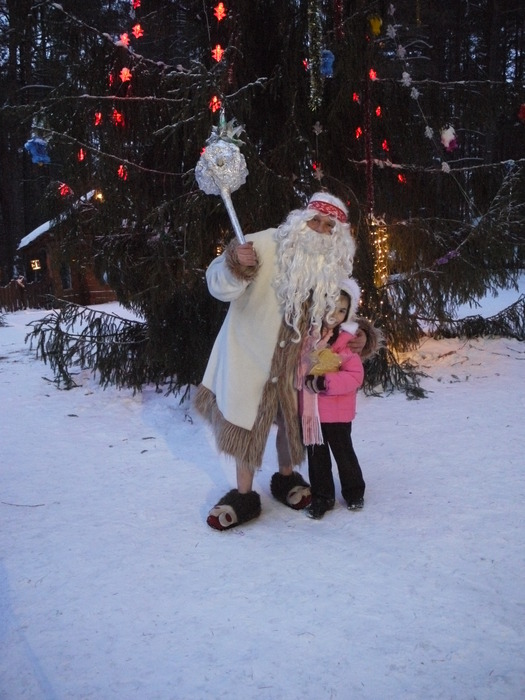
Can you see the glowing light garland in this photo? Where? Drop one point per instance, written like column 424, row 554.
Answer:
column 379, row 233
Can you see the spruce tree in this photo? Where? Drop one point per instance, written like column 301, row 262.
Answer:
column 412, row 114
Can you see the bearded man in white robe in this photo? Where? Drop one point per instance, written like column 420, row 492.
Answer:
column 280, row 284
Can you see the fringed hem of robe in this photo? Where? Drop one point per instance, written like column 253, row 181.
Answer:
column 248, row 446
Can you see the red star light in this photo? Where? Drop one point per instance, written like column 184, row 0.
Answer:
column 125, row 75
column 215, row 103
column 220, row 11
column 118, row 118
column 218, row 53
column 137, row 31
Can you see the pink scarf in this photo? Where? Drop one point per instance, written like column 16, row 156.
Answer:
column 312, row 433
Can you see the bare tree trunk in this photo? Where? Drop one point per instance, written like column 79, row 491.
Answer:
column 17, row 73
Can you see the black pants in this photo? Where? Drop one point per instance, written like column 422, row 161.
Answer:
column 337, row 438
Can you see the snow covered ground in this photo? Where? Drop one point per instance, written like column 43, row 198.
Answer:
column 112, row 587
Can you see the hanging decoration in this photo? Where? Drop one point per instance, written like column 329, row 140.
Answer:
column 37, row 149
column 318, row 171
column 316, row 165
column 327, row 63
column 122, row 172
column 449, row 139
column 447, row 257
column 375, row 23
column 314, row 59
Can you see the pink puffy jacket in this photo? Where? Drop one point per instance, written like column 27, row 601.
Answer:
column 337, row 404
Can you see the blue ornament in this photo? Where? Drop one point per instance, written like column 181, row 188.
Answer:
column 37, row 149
column 327, row 63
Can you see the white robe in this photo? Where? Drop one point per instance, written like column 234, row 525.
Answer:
column 239, row 364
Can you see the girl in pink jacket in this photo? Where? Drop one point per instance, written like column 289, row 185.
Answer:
column 331, row 375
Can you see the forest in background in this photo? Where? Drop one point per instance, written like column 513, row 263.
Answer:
column 413, row 113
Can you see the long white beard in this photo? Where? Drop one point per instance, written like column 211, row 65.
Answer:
column 311, row 267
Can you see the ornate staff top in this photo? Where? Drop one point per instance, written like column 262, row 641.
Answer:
column 221, row 169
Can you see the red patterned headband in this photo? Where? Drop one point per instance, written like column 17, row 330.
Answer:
column 328, row 210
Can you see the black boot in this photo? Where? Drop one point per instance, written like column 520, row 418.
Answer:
column 318, row 507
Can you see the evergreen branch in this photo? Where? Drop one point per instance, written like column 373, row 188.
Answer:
column 103, row 36
column 446, row 83
column 509, row 323
column 77, row 336
column 109, row 156
column 433, row 170
column 383, row 370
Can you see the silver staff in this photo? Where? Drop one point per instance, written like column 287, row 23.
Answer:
column 222, row 169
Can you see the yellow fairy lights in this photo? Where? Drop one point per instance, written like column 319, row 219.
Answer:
column 379, row 233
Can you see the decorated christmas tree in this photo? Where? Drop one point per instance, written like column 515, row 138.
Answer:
column 413, row 114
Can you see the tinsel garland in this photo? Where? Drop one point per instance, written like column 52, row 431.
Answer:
column 314, row 60
column 338, row 19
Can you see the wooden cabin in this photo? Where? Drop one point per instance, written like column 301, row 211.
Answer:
column 43, row 266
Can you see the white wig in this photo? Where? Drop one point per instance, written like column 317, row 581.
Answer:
column 310, row 268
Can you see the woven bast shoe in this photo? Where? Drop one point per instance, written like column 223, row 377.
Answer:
column 292, row 490
column 234, row 509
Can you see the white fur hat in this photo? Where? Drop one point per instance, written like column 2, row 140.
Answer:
column 350, row 286
column 329, row 205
